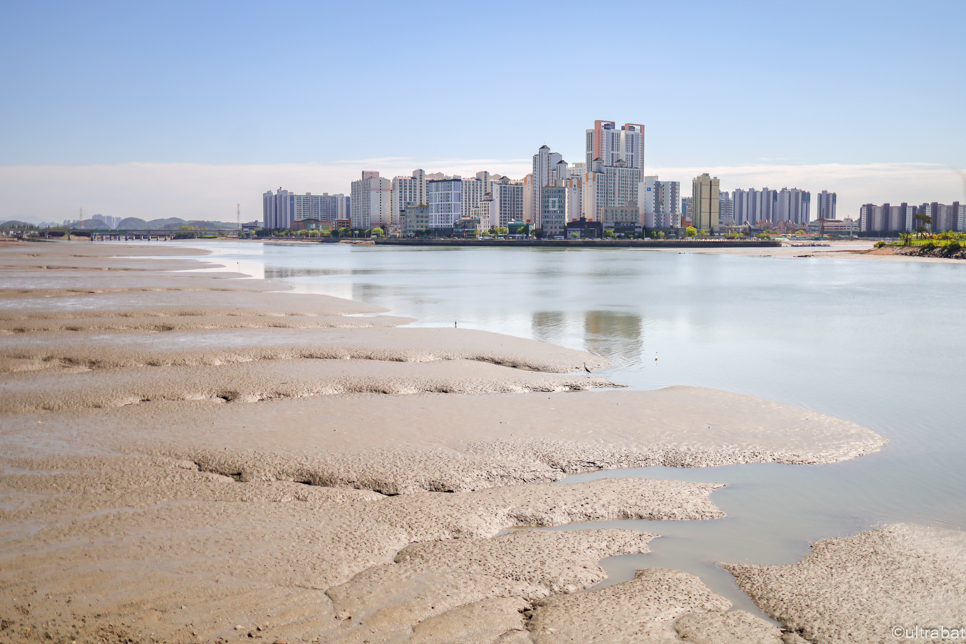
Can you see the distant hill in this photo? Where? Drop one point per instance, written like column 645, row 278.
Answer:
column 173, row 223
column 14, row 223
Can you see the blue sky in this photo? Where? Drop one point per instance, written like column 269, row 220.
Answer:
column 263, row 84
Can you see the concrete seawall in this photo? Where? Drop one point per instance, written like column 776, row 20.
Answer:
column 582, row 243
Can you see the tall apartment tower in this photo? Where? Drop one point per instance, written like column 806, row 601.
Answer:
column 608, row 145
column 660, row 202
column 371, row 201
column 792, row 205
column 445, row 200
column 747, row 206
column 408, row 191
column 825, row 206
column 614, row 167
column 507, row 204
column 705, row 202
column 767, row 205
column 474, row 192
column 548, row 167
column 277, row 209
column 726, row 213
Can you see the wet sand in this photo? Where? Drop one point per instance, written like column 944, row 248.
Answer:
column 844, row 249
column 195, row 457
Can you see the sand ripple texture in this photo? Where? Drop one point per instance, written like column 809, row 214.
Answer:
column 197, row 458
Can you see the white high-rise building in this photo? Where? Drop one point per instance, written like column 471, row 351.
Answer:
column 473, row 192
column 792, row 205
column 277, row 209
column 508, row 202
column 743, row 205
column 607, row 145
column 408, row 191
column 614, row 167
column 888, row 218
column 766, row 204
column 610, row 186
column 445, row 200
column 660, row 203
column 371, row 201
column 825, row 207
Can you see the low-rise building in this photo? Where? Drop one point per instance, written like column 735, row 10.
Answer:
column 846, row 227
column 467, row 227
column 623, row 220
column 584, row 228
column 416, row 219
column 310, row 224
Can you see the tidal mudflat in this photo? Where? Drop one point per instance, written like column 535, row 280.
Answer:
column 194, row 457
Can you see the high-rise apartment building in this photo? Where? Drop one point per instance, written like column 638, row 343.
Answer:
column 407, row 191
column 608, row 145
column 445, row 200
column 548, row 167
column 553, row 211
column 371, row 201
column 945, row 217
column 748, row 205
column 660, row 201
column 473, row 192
column 507, row 203
column 888, row 219
column 767, row 204
column 610, row 186
column 753, row 206
column 276, row 211
column 705, row 201
column 615, row 162
column 282, row 209
column 792, row 205
column 825, row 205
column 726, row 209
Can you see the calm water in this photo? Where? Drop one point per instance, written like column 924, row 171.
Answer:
column 877, row 343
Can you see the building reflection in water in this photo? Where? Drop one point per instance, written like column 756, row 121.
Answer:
column 617, row 336
column 286, row 272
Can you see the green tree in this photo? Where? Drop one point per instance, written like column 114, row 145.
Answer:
column 923, row 220
column 660, row 234
column 609, row 234
column 691, row 231
column 378, row 232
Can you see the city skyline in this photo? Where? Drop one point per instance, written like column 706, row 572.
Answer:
column 115, row 102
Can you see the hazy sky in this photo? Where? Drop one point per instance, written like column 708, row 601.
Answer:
column 185, row 109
